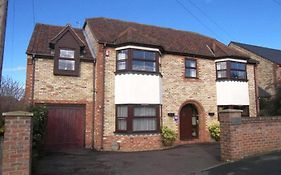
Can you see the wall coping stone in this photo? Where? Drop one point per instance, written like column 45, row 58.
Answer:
column 17, row 114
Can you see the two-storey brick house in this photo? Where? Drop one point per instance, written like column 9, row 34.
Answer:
column 113, row 84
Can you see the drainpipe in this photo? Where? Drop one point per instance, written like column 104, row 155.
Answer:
column 33, row 79
column 256, row 91
column 94, row 104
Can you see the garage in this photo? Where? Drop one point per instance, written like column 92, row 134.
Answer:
column 65, row 128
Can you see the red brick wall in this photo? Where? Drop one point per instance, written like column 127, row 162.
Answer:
column 29, row 77
column 17, row 144
column 99, row 99
column 242, row 137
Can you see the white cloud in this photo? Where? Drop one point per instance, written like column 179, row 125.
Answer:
column 14, row 69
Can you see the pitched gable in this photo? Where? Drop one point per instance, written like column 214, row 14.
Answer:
column 43, row 34
column 65, row 30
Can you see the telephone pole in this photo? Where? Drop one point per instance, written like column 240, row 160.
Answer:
column 3, row 19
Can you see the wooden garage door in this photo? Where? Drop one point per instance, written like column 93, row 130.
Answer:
column 65, row 127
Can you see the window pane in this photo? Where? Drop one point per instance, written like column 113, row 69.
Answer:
column 121, row 65
column 190, row 73
column 190, row 63
column 122, row 124
column 222, row 74
column 144, row 111
column 144, row 66
column 221, row 65
column 122, row 55
column 238, row 74
column 122, row 111
column 145, row 55
column 66, row 64
column 239, row 66
column 66, row 53
column 144, row 124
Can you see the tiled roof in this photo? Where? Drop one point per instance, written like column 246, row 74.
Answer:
column 273, row 55
column 118, row 32
column 43, row 34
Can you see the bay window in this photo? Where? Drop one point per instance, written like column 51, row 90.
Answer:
column 137, row 118
column 137, row 60
column 231, row 70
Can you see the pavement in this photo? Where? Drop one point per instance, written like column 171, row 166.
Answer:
column 182, row 160
column 267, row 164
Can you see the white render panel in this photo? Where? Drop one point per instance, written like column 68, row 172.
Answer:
column 137, row 89
column 232, row 93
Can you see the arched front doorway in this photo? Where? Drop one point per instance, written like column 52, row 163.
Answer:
column 189, row 122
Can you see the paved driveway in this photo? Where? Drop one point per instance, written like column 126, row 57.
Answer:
column 181, row 160
column 267, row 164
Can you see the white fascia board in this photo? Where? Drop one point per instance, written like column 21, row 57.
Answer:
column 138, row 47
column 231, row 59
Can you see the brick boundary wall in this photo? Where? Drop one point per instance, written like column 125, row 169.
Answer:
column 17, row 143
column 242, row 137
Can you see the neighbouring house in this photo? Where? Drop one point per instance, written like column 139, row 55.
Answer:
column 114, row 84
column 268, row 72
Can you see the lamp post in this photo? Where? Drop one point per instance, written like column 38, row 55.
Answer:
column 3, row 19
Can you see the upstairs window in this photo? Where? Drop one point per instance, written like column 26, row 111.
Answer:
column 237, row 70
column 190, row 68
column 137, row 60
column 66, row 53
column 66, row 60
column 231, row 70
column 221, row 70
column 144, row 61
column 122, row 57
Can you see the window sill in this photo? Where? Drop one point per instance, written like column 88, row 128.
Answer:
column 138, row 72
column 227, row 79
column 140, row 133
column 66, row 73
column 192, row 78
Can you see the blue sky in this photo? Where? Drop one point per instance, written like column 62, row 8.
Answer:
column 249, row 21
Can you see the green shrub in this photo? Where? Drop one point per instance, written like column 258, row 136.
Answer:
column 272, row 106
column 39, row 121
column 214, row 129
column 2, row 130
column 168, row 136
